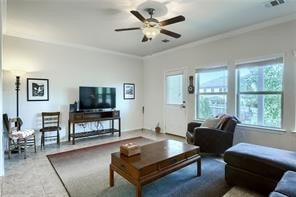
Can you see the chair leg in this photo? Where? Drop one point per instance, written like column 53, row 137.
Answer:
column 58, row 137
column 9, row 148
column 25, row 148
column 19, row 147
column 42, row 141
column 35, row 143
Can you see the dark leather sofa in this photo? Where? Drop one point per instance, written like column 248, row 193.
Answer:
column 257, row 167
column 212, row 140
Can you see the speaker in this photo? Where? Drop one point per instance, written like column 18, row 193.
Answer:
column 73, row 107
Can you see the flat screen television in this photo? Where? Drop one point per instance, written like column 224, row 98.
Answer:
column 97, row 98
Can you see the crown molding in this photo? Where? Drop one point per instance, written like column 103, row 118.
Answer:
column 72, row 45
column 229, row 34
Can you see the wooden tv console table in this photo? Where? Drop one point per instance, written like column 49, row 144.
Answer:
column 83, row 117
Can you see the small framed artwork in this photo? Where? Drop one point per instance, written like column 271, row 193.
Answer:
column 129, row 91
column 37, row 89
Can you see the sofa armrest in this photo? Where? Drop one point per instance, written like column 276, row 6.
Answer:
column 192, row 125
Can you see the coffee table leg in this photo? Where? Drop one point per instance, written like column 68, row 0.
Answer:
column 111, row 177
column 139, row 191
column 199, row 167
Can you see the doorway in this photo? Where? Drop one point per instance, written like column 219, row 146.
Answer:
column 175, row 113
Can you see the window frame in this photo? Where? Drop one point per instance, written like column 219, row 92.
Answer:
column 197, row 82
column 259, row 93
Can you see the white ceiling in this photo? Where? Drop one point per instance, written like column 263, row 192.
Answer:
column 92, row 22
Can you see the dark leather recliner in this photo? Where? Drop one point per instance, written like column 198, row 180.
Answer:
column 211, row 140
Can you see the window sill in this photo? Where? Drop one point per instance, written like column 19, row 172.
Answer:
column 262, row 129
column 258, row 128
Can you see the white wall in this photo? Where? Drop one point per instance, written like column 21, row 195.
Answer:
column 67, row 68
column 2, row 13
column 273, row 40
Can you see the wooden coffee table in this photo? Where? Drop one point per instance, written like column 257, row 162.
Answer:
column 156, row 160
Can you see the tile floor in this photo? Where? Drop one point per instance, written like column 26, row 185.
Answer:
column 35, row 176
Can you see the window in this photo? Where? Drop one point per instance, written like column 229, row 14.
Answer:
column 174, row 89
column 211, row 97
column 260, row 93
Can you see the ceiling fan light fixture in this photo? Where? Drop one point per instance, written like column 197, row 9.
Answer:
column 152, row 27
column 151, row 32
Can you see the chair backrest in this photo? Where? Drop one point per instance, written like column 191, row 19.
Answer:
column 12, row 124
column 229, row 125
column 50, row 119
column 8, row 122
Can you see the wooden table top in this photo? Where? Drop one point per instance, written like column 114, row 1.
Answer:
column 156, row 152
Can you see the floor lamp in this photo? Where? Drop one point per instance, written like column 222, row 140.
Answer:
column 17, row 73
column 17, row 89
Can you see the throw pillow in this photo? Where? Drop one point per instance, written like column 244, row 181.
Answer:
column 211, row 123
column 224, row 118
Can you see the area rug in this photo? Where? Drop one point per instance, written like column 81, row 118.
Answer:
column 242, row 192
column 85, row 173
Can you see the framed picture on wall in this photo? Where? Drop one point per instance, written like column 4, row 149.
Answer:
column 129, row 91
column 37, row 89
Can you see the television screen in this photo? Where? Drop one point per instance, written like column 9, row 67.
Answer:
column 97, row 98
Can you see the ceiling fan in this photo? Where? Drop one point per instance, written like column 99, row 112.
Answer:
column 152, row 27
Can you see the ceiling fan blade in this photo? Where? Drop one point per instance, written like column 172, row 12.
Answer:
column 170, row 33
column 128, row 29
column 145, row 39
column 138, row 15
column 172, row 20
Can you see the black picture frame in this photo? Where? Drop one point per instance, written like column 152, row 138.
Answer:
column 129, row 91
column 37, row 89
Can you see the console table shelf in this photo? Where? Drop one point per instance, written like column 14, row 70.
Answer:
column 83, row 117
column 94, row 133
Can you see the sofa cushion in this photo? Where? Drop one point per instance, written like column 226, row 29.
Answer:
column 287, row 184
column 264, row 161
column 211, row 123
column 276, row 194
column 22, row 134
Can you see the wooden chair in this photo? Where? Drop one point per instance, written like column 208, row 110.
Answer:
column 18, row 138
column 50, row 123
